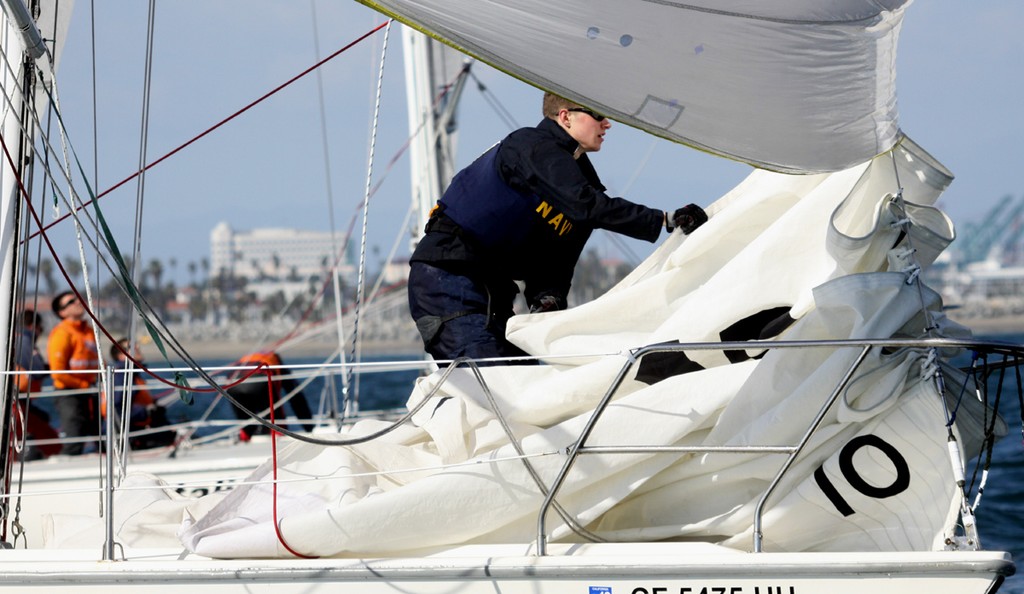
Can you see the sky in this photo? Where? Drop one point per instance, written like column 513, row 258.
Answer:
column 289, row 163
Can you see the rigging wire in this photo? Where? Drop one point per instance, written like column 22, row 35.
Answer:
column 95, row 100
column 616, row 239
column 142, row 169
column 906, row 224
column 75, row 213
column 309, row 311
column 352, row 404
column 17, row 430
column 66, row 175
column 89, row 301
column 495, row 103
column 221, row 123
column 186, row 358
column 140, row 194
column 122, row 281
column 336, row 264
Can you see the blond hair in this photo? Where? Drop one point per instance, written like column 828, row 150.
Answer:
column 554, row 104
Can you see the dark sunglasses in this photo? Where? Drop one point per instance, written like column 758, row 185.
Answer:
column 65, row 305
column 597, row 118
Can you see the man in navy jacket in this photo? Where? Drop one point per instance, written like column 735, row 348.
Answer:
column 522, row 211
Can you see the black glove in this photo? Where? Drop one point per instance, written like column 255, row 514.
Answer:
column 547, row 303
column 687, row 218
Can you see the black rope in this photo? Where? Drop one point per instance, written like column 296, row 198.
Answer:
column 989, row 427
column 951, row 417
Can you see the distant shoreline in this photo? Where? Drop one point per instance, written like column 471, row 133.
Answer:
column 993, row 327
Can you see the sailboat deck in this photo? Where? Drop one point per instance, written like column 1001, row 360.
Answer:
column 636, row 568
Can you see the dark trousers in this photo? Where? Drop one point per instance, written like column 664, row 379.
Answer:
column 461, row 315
column 77, row 414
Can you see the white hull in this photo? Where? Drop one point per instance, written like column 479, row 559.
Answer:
column 675, row 568
column 63, row 484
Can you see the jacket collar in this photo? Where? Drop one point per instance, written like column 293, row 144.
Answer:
column 562, row 138
column 567, row 142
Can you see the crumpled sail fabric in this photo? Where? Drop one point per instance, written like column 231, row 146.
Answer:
column 731, row 77
column 824, row 254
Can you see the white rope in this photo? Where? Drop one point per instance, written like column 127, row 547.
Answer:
column 352, row 405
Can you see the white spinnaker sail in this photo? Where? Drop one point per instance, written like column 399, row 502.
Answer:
column 786, row 85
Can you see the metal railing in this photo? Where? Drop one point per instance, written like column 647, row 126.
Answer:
column 633, row 357
column 579, row 447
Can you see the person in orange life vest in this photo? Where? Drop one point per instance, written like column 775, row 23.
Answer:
column 72, row 347
column 253, row 393
column 143, row 412
column 27, row 358
column 523, row 211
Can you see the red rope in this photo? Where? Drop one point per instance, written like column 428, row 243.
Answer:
column 43, row 228
column 273, row 456
column 42, row 233
column 217, row 125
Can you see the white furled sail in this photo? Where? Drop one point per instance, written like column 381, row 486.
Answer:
column 787, row 85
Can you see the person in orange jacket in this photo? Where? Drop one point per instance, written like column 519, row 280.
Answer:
column 253, row 393
column 72, row 347
column 27, row 358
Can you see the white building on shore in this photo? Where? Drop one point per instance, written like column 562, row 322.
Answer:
column 275, row 256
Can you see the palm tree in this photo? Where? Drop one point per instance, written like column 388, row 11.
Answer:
column 156, row 272
column 173, row 263
column 205, row 263
column 72, row 266
column 192, row 266
column 46, row 269
column 276, row 259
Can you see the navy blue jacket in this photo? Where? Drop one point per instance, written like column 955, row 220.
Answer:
column 565, row 199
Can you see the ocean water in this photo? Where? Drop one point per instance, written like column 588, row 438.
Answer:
column 375, row 391
column 1001, row 513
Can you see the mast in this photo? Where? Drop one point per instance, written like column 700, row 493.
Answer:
column 20, row 37
column 435, row 76
column 38, row 48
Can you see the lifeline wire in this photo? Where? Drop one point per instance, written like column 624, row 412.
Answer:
column 335, row 265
